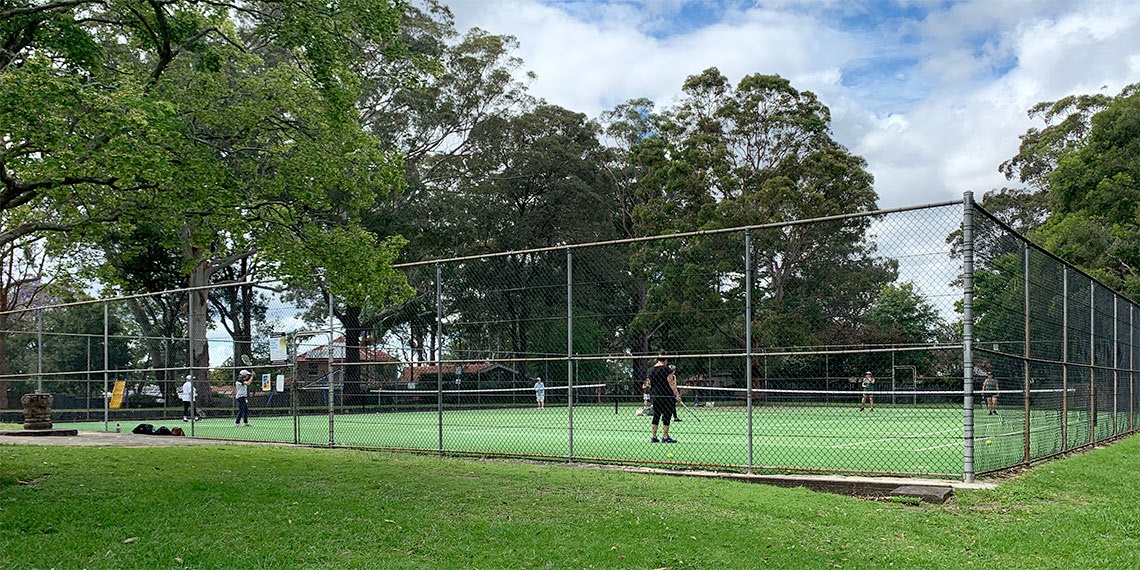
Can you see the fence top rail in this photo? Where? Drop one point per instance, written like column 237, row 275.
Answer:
column 866, row 214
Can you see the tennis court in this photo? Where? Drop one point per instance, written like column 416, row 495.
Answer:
column 831, row 437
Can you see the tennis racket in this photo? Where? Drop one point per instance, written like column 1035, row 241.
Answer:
column 246, row 360
column 691, row 412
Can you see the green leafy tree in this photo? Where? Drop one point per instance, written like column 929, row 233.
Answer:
column 232, row 127
column 757, row 152
column 1087, row 161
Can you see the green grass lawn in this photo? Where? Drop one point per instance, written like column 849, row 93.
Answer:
column 919, row 440
column 231, row 506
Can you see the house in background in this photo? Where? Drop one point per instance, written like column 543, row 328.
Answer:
column 477, row 376
column 377, row 367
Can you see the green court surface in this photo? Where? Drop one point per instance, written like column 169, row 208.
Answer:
column 840, row 439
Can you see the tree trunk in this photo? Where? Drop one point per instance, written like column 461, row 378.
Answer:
column 354, row 393
column 199, row 325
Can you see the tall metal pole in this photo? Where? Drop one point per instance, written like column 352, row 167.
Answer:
column 968, row 337
column 1064, row 357
column 39, row 351
column 332, row 384
column 1092, row 361
column 748, row 340
column 1025, row 350
column 570, row 350
column 190, row 359
column 439, row 351
column 106, row 377
column 1131, row 369
column 1115, row 362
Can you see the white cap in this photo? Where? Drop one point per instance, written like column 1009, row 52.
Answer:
column 189, row 376
column 245, row 373
column 868, row 372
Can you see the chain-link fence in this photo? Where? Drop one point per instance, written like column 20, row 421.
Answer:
column 929, row 340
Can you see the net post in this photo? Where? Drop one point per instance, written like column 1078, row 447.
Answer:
column 968, row 337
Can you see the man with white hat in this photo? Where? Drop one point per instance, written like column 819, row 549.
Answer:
column 186, row 394
column 241, row 392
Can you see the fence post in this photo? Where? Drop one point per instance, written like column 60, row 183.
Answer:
column 747, row 339
column 1092, row 360
column 331, row 378
column 1025, row 350
column 106, row 394
column 1115, row 363
column 570, row 350
column 1064, row 357
column 439, row 351
column 968, row 337
column 39, row 351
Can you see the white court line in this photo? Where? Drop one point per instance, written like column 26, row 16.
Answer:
column 896, row 438
column 956, row 443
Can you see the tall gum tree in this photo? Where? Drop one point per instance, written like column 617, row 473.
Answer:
column 756, row 152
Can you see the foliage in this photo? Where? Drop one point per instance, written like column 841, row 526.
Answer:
column 755, row 153
column 1087, row 160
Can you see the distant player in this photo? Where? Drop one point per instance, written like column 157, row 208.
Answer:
column 646, row 409
column 989, row 393
column 539, row 392
column 868, row 385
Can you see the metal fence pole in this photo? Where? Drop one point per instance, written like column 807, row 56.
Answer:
column 747, row 341
column 1025, row 350
column 1115, row 362
column 1064, row 357
column 106, row 377
column 1092, row 361
column 39, row 351
column 439, row 350
column 331, row 378
column 968, row 337
column 570, row 350
column 190, row 360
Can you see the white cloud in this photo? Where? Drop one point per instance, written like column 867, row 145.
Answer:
column 940, row 100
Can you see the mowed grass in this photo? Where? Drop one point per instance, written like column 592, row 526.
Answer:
column 239, row 506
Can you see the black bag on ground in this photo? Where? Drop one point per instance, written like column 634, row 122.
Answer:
column 144, row 429
column 162, row 430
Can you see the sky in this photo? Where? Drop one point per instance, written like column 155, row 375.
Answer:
column 933, row 94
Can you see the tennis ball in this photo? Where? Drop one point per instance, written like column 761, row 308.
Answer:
column 989, row 442
column 670, row 455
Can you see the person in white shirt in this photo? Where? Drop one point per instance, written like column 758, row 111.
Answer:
column 540, row 392
column 241, row 392
column 186, row 394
